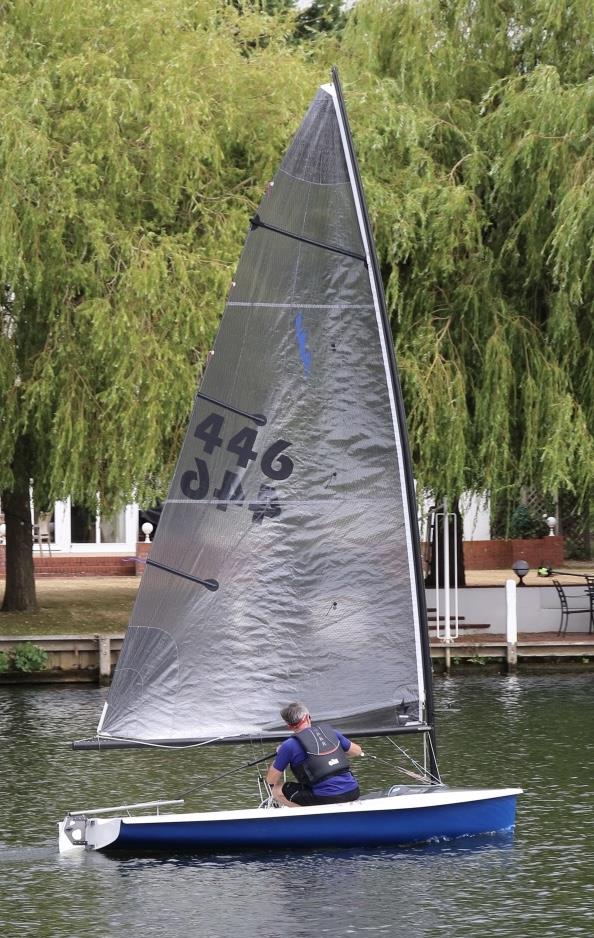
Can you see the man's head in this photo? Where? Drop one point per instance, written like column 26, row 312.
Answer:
column 294, row 714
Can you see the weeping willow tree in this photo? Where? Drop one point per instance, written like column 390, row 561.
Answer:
column 136, row 140
column 474, row 127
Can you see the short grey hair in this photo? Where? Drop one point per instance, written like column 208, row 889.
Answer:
column 294, row 712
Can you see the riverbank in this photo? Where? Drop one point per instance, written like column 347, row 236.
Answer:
column 102, row 604
column 80, row 625
column 83, row 659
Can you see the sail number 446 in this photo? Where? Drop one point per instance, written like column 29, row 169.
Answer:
column 274, row 462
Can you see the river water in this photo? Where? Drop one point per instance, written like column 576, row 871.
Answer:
column 532, row 731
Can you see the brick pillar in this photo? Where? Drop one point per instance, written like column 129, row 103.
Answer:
column 143, row 549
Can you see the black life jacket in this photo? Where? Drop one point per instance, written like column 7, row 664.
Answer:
column 325, row 755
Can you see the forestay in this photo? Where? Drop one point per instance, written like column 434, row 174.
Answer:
column 282, row 565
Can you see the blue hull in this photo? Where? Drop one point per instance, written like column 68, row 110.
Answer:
column 280, row 830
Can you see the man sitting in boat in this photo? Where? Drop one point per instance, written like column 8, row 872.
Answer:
column 318, row 757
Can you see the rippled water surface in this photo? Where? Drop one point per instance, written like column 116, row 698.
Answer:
column 535, row 732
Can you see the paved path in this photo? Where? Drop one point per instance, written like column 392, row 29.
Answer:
column 570, row 576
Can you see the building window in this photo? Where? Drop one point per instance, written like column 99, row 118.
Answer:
column 88, row 527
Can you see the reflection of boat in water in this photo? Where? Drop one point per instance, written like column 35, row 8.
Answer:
column 287, row 563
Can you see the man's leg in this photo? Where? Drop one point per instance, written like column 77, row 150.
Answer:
column 280, row 798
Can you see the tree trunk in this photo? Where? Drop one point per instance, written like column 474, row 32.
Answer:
column 19, row 595
column 456, row 549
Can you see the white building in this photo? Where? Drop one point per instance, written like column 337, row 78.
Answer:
column 76, row 530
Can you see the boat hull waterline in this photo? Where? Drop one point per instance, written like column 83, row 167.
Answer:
column 395, row 820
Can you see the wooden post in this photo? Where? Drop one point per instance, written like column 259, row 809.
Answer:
column 104, row 643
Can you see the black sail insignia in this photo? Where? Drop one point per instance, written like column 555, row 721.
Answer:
column 290, row 493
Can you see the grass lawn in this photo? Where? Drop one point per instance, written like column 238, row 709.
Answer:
column 75, row 605
column 86, row 605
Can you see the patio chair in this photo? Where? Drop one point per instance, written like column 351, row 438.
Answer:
column 42, row 532
column 567, row 610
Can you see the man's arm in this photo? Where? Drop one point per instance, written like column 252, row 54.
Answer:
column 273, row 776
column 275, row 779
column 351, row 748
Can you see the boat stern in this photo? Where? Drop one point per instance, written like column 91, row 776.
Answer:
column 72, row 833
column 78, row 832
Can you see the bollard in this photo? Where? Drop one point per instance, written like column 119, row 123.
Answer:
column 104, row 658
column 511, row 625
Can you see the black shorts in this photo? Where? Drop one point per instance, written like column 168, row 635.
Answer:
column 304, row 796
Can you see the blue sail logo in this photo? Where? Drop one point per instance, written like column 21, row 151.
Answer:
column 302, row 337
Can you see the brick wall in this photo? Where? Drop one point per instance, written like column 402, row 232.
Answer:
column 500, row 555
column 478, row 555
column 69, row 565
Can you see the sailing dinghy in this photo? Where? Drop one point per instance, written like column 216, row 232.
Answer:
column 286, row 564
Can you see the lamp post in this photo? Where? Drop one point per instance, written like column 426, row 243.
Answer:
column 520, row 568
column 551, row 522
column 147, row 530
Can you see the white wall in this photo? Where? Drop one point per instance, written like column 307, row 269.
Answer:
column 538, row 608
column 475, row 511
column 476, row 515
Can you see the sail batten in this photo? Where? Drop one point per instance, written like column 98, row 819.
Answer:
column 257, row 222
column 257, row 418
column 209, row 584
column 304, row 516
column 301, row 305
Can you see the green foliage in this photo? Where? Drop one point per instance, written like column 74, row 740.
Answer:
column 4, row 662
column 525, row 523
column 473, row 125
column 28, row 657
column 136, row 142
column 319, row 16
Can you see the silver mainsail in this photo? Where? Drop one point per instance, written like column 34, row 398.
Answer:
column 282, row 567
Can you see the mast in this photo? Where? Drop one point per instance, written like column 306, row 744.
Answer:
column 375, row 276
